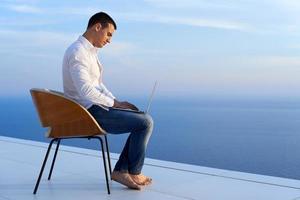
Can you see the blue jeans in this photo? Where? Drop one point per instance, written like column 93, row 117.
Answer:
column 139, row 125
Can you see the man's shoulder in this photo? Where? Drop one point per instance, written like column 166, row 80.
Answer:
column 76, row 48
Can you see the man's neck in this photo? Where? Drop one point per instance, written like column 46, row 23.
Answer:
column 89, row 37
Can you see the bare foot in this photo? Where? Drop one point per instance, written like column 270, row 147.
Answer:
column 124, row 179
column 141, row 179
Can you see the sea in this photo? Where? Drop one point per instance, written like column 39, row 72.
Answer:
column 257, row 135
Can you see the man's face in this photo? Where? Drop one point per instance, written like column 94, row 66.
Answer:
column 103, row 34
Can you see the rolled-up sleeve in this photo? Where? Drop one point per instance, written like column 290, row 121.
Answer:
column 79, row 71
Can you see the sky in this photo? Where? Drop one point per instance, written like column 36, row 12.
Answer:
column 232, row 48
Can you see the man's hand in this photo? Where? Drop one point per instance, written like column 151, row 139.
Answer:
column 124, row 105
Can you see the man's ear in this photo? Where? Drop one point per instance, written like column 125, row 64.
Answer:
column 98, row 26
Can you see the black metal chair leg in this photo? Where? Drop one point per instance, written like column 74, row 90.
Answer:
column 43, row 166
column 54, row 158
column 108, row 155
column 104, row 163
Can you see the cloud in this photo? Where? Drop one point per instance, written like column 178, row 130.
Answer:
column 22, row 1
column 294, row 46
column 278, row 61
column 203, row 22
column 290, row 4
column 117, row 48
column 188, row 21
column 189, row 4
column 25, row 9
column 26, row 22
column 190, row 18
column 34, row 44
column 34, row 38
column 257, row 63
column 250, row 16
column 48, row 44
column 158, row 17
column 85, row 11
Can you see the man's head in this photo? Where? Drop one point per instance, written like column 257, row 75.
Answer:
column 100, row 29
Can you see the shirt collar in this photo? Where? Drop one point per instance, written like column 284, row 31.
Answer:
column 87, row 44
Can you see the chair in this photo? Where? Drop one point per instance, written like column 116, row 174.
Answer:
column 66, row 119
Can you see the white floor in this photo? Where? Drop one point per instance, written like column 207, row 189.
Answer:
column 79, row 174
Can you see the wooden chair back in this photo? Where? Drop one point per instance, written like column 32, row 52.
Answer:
column 63, row 116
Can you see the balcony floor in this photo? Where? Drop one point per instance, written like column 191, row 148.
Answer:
column 79, row 174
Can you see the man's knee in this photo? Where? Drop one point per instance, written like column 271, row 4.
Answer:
column 146, row 122
column 149, row 120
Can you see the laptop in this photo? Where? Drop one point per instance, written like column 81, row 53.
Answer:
column 148, row 105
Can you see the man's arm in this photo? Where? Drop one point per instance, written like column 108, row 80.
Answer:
column 106, row 91
column 79, row 70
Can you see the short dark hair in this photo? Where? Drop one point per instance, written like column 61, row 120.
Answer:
column 102, row 18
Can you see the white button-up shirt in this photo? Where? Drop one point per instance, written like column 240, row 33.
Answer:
column 82, row 75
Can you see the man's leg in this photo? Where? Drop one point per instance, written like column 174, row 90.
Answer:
column 133, row 154
column 140, row 127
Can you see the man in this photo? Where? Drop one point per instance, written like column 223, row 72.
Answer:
column 82, row 80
